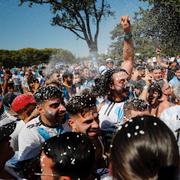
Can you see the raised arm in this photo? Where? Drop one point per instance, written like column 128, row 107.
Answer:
column 158, row 52
column 128, row 49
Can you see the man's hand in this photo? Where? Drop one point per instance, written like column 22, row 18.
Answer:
column 125, row 23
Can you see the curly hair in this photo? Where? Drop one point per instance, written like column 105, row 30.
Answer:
column 104, row 82
column 81, row 102
column 48, row 92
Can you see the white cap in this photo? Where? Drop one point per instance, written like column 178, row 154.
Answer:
column 154, row 59
column 172, row 59
column 109, row 59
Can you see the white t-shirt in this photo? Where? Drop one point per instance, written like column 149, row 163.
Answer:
column 32, row 136
column 110, row 114
column 171, row 117
column 14, row 136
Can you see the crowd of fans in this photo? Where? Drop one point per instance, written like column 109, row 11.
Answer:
column 78, row 121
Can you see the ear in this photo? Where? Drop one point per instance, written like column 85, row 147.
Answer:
column 112, row 86
column 39, row 108
column 71, row 123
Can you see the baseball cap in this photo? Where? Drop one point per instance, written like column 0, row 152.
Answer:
column 172, row 59
column 109, row 60
column 154, row 59
column 7, row 129
column 21, row 101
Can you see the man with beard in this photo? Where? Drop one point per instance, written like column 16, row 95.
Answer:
column 83, row 117
column 49, row 123
column 114, row 84
column 69, row 88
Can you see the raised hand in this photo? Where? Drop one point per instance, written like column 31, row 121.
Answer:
column 125, row 23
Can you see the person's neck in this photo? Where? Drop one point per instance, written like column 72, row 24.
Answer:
column 48, row 123
column 115, row 98
column 67, row 84
column 164, row 97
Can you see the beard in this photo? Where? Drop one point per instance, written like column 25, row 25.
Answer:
column 56, row 117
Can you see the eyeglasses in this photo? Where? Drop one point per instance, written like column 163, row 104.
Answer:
column 42, row 174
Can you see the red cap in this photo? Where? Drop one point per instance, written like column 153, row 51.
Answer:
column 21, row 101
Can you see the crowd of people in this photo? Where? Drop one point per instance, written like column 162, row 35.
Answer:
column 80, row 122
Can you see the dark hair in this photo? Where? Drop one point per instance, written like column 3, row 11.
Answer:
column 8, row 98
column 73, row 154
column 155, row 87
column 81, row 103
column 157, row 68
column 177, row 68
column 66, row 75
column 136, row 105
column 105, row 81
column 48, row 92
column 32, row 79
column 140, row 67
column 144, row 148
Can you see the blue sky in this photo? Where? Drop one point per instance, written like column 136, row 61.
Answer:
column 23, row 27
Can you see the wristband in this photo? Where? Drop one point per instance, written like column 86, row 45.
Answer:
column 128, row 36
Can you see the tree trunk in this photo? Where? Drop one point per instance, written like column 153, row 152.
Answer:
column 93, row 50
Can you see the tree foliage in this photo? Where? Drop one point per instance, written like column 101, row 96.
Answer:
column 162, row 24
column 81, row 17
column 157, row 26
column 143, row 45
column 31, row 56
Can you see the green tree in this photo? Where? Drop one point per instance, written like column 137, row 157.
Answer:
column 81, row 17
column 143, row 45
column 161, row 24
column 31, row 56
column 156, row 26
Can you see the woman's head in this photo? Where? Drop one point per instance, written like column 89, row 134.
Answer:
column 144, row 148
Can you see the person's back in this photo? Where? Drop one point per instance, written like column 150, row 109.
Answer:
column 144, row 148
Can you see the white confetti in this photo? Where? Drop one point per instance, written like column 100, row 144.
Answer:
column 130, row 120
column 141, row 132
column 73, row 161
column 155, row 123
column 128, row 135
